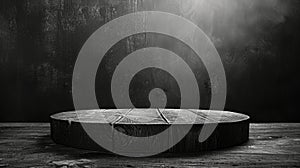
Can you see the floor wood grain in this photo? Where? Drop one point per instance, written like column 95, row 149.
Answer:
column 29, row 145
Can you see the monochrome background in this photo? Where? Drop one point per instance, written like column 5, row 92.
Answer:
column 258, row 41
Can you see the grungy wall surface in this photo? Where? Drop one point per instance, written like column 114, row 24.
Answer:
column 258, row 41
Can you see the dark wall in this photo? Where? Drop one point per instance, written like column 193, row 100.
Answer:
column 258, row 41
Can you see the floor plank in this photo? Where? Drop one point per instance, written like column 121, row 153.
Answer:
column 29, row 145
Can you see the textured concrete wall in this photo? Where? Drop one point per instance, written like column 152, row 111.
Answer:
column 257, row 40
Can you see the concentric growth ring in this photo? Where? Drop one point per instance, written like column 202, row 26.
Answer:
column 105, row 37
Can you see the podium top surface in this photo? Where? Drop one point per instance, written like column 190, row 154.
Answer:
column 150, row 116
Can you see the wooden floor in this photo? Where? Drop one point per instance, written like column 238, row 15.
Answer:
column 29, row 145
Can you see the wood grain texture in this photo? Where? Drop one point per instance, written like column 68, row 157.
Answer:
column 232, row 129
column 30, row 145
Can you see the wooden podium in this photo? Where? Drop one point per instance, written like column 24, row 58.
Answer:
column 232, row 128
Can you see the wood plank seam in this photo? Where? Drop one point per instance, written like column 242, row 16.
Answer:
column 123, row 116
column 204, row 117
column 162, row 116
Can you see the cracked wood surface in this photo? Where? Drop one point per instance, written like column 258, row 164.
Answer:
column 149, row 116
column 30, row 145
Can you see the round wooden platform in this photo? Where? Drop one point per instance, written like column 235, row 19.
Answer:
column 232, row 128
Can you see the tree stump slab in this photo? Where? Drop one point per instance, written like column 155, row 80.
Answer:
column 232, row 128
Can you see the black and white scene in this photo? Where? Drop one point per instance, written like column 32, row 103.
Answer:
column 149, row 83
